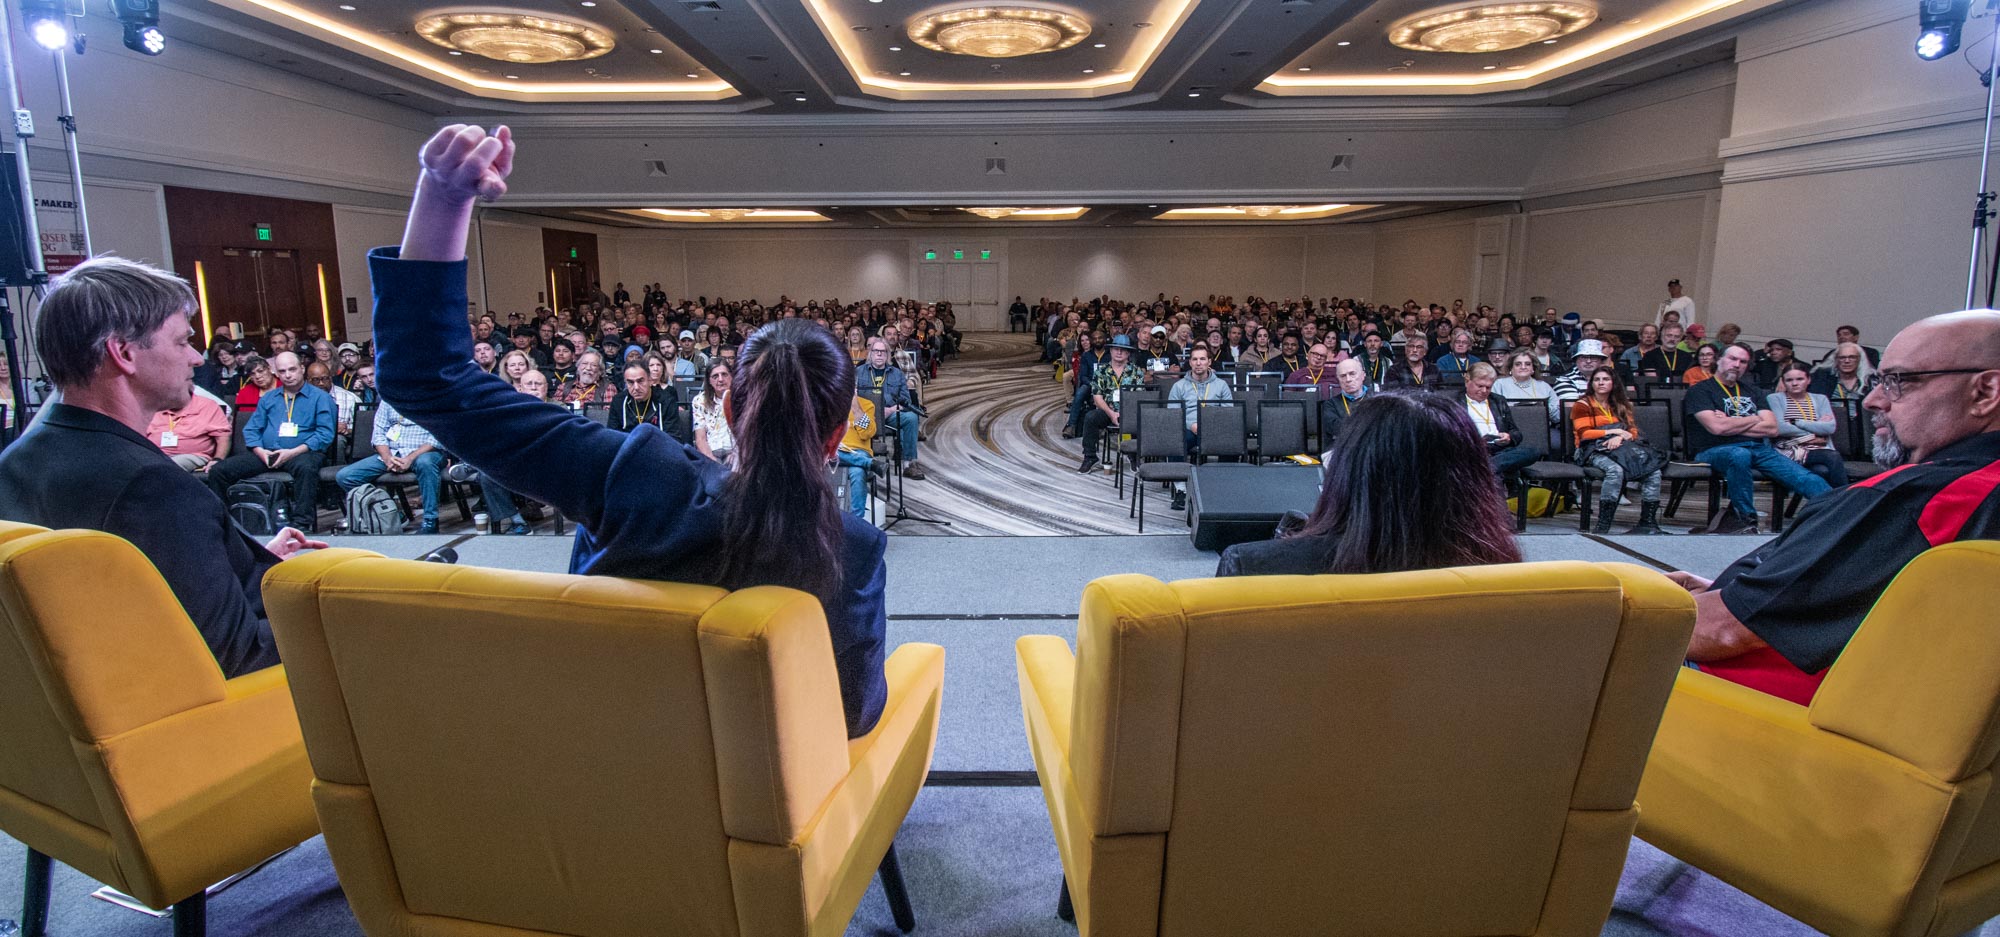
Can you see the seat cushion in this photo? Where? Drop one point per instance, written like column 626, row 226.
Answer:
column 1165, row 471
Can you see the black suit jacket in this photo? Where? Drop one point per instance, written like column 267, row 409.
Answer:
column 1400, row 375
column 1502, row 415
column 81, row 469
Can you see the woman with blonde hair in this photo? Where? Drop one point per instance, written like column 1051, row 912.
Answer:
column 514, row 364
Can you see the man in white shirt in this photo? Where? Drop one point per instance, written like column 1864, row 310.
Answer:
column 1675, row 302
column 1198, row 387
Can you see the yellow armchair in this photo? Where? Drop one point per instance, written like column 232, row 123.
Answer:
column 502, row 753
column 1867, row 812
column 1451, row 752
column 125, row 754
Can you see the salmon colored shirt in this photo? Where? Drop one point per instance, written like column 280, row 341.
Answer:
column 196, row 427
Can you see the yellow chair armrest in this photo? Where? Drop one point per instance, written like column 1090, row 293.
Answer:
column 1742, row 786
column 206, row 793
column 1048, row 684
column 257, row 682
column 822, row 873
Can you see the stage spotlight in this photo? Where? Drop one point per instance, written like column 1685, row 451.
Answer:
column 46, row 24
column 1939, row 22
column 142, row 25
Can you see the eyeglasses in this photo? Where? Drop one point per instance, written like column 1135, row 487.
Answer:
column 1894, row 383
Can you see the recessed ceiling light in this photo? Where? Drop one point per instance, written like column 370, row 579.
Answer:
column 348, row 7
column 904, row 74
column 1152, row 206
column 588, row 3
column 515, row 77
column 895, row 48
column 1194, row 94
column 1305, row 68
column 1343, row 42
column 694, row 74
column 1550, row 42
column 1140, row 25
column 1097, row 45
column 657, row 51
column 454, row 52
column 1090, row 71
column 801, row 99
column 1516, row 68
column 1489, row 68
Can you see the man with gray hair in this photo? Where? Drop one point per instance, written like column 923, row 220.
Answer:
column 114, row 336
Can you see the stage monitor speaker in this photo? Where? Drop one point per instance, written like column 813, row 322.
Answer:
column 15, row 266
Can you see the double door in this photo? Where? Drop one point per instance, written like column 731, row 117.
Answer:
column 262, row 288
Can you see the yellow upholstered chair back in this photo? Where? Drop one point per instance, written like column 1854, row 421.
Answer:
column 539, row 752
column 1449, row 752
column 95, row 646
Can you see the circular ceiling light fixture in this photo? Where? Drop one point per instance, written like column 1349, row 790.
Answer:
column 516, row 38
column 998, row 32
column 994, row 214
column 1490, row 27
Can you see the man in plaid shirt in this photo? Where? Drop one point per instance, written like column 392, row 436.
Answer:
column 400, row 446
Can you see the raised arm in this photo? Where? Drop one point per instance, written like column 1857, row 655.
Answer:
column 424, row 351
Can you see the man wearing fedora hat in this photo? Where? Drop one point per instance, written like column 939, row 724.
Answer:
column 1107, row 386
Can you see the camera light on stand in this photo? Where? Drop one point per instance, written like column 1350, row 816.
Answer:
column 146, row 39
column 49, row 33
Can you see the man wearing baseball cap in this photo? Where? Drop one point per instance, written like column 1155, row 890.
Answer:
column 1107, row 386
column 688, row 353
column 1675, row 303
column 349, row 373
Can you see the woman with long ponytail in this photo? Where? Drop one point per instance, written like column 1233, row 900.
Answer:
column 646, row 506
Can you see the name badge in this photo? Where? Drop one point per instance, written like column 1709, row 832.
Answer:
column 1114, row 396
column 169, row 439
column 395, row 433
column 288, row 429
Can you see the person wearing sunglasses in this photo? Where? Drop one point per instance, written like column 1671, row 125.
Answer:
column 1776, row 619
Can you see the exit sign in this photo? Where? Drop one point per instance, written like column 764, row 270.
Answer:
column 572, row 253
column 958, row 255
column 930, row 255
column 985, row 255
column 263, row 231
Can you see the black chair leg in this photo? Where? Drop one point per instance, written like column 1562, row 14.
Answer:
column 1521, row 511
column 191, row 916
column 1583, row 511
column 35, row 895
column 1064, row 909
column 893, row 889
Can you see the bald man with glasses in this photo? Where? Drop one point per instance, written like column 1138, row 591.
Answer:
column 1777, row 618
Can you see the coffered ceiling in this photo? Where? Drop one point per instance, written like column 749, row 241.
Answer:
column 856, row 56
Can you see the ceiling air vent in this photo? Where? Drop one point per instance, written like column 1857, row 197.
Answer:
column 704, row 6
column 996, row 165
column 656, row 167
column 1295, row 3
column 1342, row 162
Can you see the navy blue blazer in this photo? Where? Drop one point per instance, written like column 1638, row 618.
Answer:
column 646, row 506
column 78, row 468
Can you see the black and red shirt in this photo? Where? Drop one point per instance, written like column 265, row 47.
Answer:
column 1807, row 591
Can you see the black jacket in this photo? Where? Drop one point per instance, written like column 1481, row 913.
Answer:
column 1502, row 415
column 1332, row 414
column 1289, row 556
column 81, row 469
column 1401, row 376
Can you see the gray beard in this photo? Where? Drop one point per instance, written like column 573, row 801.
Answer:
column 1888, row 451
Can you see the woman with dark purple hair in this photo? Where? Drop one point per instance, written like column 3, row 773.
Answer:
column 1409, row 487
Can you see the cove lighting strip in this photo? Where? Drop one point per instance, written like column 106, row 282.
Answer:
column 355, row 40
column 1568, row 55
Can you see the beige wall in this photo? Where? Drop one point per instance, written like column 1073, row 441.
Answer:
column 1611, row 261
column 356, row 231
column 1132, row 265
column 1425, row 260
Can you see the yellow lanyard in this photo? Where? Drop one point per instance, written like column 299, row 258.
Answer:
column 1345, row 407
column 1602, row 410
column 1375, row 370
column 1807, row 409
column 1673, row 361
column 1840, row 390
column 289, row 400
column 645, row 413
column 1485, row 421
column 1316, row 372
column 1737, row 392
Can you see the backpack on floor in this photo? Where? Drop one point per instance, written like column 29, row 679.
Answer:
column 1542, row 503
column 372, row 512
column 253, row 507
